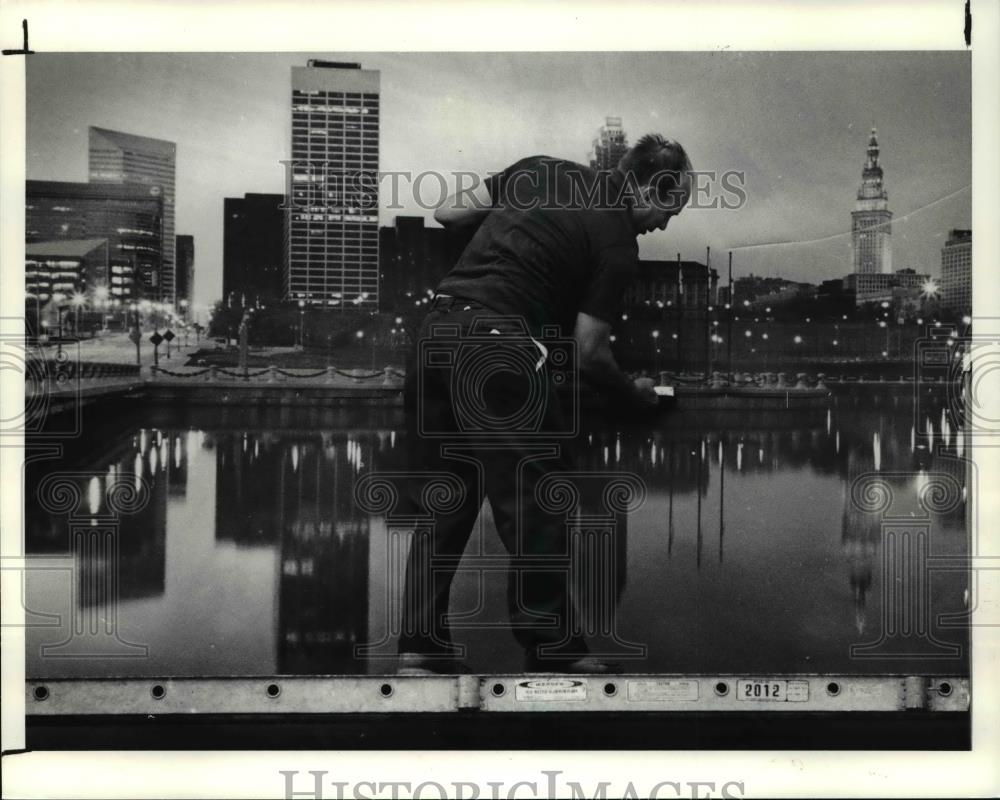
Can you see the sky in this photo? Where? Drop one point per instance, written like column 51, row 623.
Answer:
column 796, row 124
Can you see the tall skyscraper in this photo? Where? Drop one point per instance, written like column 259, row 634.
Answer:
column 252, row 261
column 331, row 223
column 871, row 240
column 124, row 158
column 610, row 145
column 956, row 271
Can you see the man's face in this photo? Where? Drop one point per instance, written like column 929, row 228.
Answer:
column 650, row 214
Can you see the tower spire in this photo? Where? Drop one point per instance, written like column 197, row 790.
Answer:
column 872, row 161
column 871, row 218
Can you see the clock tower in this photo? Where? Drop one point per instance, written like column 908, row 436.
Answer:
column 871, row 220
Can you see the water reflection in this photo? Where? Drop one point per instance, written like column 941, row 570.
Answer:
column 251, row 557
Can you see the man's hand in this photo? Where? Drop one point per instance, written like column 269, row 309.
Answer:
column 593, row 338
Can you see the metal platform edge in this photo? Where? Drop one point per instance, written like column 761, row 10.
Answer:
column 352, row 694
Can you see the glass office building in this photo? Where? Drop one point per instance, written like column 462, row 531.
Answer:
column 123, row 158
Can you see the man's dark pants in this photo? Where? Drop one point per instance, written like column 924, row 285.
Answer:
column 504, row 462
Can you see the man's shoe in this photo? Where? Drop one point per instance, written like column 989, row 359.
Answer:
column 419, row 664
column 582, row 665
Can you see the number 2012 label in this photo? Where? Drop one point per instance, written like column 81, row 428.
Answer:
column 772, row 691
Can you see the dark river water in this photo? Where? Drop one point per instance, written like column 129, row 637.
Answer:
column 829, row 543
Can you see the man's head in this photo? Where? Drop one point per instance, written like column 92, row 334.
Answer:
column 661, row 172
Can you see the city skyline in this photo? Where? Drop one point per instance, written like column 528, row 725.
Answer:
column 796, row 124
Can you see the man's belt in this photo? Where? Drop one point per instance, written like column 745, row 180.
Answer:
column 442, row 302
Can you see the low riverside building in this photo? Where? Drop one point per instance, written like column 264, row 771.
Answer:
column 67, row 267
column 129, row 217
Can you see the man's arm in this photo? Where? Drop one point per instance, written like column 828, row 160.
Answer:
column 465, row 209
column 597, row 363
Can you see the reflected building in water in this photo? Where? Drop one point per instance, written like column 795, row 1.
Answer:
column 157, row 463
column 288, row 488
column 923, row 474
column 323, row 600
column 297, row 492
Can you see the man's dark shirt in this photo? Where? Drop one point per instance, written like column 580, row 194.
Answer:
column 559, row 240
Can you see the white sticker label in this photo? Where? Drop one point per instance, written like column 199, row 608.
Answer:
column 772, row 691
column 662, row 690
column 547, row 689
column 798, row 691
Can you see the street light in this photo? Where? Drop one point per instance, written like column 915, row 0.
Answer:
column 302, row 322
column 57, row 299
column 101, row 295
column 78, row 300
